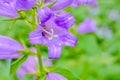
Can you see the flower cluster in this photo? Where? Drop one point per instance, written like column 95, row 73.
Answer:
column 50, row 27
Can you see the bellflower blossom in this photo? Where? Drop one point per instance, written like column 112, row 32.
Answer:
column 32, row 62
column 88, row 25
column 53, row 32
column 9, row 8
column 29, row 66
column 9, row 48
column 77, row 3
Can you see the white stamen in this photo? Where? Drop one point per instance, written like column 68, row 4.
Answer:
column 49, row 34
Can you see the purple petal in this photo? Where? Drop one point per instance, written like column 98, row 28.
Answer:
column 89, row 25
column 36, row 36
column 65, row 20
column 45, row 14
column 54, row 76
column 29, row 66
column 60, row 4
column 25, row 4
column 69, row 40
column 86, row 2
column 54, row 51
column 8, row 9
column 9, row 48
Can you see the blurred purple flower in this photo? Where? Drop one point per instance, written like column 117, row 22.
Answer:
column 114, row 15
column 88, row 25
column 77, row 3
column 9, row 48
column 9, row 8
column 60, row 4
column 104, row 32
column 53, row 32
column 29, row 66
column 54, row 76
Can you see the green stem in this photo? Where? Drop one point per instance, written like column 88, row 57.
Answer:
column 39, row 59
column 42, row 3
column 39, row 55
column 34, row 18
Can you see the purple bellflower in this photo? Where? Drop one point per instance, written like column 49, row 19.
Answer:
column 53, row 32
column 9, row 48
column 9, row 8
column 77, row 3
column 88, row 25
column 29, row 66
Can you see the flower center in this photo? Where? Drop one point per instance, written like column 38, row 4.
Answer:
column 48, row 33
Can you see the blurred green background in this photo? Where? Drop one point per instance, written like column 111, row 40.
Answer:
column 96, row 56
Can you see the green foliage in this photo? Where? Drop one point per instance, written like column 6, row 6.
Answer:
column 16, row 64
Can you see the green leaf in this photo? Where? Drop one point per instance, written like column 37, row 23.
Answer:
column 16, row 64
column 64, row 72
column 89, row 45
